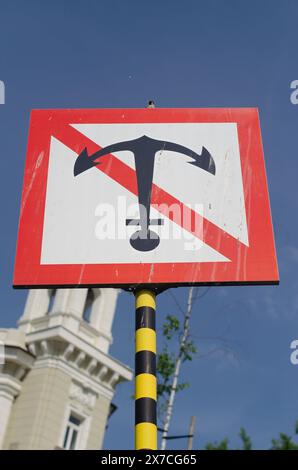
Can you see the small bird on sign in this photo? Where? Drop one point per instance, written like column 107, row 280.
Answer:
column 151, row 104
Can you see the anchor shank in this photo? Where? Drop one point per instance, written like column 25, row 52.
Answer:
column 144, row 162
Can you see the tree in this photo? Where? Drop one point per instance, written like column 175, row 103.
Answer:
column 169, row 364
column 224, row 444
column 246, row 440
column 173, row 355
column 284, row 442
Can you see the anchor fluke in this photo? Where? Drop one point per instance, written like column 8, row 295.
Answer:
column 83, row 162
column 204, row 161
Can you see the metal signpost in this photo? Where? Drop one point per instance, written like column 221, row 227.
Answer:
column 144, row 200
column 145, row 371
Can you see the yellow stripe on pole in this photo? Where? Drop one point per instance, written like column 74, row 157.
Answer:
column 145, row 340
column 145, row 298
column 145, row 386
column 146, row 436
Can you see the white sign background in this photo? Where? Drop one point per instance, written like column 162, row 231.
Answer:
column 69, row 231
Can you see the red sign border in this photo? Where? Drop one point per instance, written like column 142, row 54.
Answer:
column 258, row 261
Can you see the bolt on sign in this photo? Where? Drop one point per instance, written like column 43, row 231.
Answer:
column 135, row 197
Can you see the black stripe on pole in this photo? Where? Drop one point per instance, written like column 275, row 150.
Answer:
column 145, row 363
column 145, row 318
column 145, row 411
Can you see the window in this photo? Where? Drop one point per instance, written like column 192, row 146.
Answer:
column 88, row 305
column 71, row 437
column 51, row 293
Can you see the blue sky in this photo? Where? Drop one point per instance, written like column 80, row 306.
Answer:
column 181, row 54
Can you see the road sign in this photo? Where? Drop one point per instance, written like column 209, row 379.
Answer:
column 127, row 197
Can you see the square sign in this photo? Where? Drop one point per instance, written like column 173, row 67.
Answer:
column 126, row 197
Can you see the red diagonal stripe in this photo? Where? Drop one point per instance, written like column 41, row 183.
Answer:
column 114, row 168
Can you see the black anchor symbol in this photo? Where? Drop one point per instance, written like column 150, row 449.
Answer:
column 144, row 149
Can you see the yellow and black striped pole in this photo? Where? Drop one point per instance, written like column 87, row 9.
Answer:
column 145, row 371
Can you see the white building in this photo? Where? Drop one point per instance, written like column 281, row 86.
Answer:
column 58, row 380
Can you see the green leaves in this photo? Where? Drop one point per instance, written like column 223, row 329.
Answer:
column 165, row 369
column 222, row 445
column 246, row 440
column 170, row 327
column 172, row 330
column 284, row 442
column 188, row 350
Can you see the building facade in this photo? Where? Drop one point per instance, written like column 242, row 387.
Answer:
column 57, row 380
